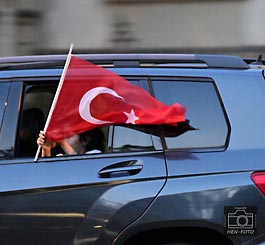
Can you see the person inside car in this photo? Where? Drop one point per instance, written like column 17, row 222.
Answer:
column 88, row 142
column 31, row 123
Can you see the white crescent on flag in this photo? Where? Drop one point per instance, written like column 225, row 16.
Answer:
column 84, row 105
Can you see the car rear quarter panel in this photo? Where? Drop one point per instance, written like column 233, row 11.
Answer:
column 199, row 201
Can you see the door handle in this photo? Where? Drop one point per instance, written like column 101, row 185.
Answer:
column 121, row 169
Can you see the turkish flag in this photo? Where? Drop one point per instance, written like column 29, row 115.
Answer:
column 92, row 96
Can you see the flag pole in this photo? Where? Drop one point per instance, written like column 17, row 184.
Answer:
column 67, row 62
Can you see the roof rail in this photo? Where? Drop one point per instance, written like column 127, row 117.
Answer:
column 255, row 61
column 132, row 60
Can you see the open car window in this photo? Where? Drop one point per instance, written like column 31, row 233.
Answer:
column 36, row 104
column 35, row 107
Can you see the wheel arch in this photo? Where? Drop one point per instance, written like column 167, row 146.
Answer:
column 163, row 234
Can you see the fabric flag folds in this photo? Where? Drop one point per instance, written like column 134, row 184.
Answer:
column 92, row 96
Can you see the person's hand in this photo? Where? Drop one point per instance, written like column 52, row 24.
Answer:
column 42, row 140
column 46, row 145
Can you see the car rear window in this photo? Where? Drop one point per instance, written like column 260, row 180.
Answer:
column 205, row 112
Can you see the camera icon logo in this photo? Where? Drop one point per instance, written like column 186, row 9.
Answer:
column 240, row 219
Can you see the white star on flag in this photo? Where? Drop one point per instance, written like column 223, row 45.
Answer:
column 131, row 117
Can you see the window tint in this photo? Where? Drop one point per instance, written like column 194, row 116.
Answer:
column 133, row 139
column 3, row 97
column 204, row 111
column 130, row 138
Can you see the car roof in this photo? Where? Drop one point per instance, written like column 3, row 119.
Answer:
column 128, row 60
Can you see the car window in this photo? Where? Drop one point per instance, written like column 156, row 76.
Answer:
column 204, row 111
column 35, row 107
column 3, row 97
column 133, row 138
column 36, row 103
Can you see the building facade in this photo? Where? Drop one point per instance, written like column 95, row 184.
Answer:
column 96, row 26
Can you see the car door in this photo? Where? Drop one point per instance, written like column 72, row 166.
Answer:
column 84, row 199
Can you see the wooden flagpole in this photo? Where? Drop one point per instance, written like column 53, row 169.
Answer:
column 67, row 62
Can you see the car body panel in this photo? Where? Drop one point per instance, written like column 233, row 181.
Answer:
column 112, row 197
column 199, row 201
column 52, row 198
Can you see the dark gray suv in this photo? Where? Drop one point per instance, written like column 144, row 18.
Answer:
column 151, row 185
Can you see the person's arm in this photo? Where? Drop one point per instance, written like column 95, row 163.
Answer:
column 46, row 145
column 68, row 149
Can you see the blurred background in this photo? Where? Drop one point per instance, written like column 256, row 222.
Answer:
column 138, row 26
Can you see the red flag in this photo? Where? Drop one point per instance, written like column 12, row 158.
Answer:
column 92, row 96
